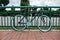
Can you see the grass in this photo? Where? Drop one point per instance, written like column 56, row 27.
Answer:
column 56, row 28
column 32, row 28
column 6, row 28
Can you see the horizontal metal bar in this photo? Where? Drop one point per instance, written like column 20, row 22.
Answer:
column 29, row 6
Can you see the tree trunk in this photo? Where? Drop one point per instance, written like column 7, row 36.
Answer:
column 25, row 3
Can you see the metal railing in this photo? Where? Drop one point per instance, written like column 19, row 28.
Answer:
column 6, row 20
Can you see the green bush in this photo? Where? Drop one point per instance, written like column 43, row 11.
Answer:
column 45, row 12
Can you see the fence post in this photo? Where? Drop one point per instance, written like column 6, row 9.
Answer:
column 50, row 16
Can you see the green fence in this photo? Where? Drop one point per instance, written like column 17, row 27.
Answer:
column 6, row 16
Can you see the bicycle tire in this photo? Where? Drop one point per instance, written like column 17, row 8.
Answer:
column 47, row 26
column 18, row 27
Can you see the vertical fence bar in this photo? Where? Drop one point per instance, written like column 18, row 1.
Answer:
column 4, row 21
column 1, row 21
column 7, row 21
column 50, row 15
column 57, row 21
column 17, row 21
column 10, row 21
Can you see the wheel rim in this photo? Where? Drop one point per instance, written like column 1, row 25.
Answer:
column 19, row 27
column 47, row 28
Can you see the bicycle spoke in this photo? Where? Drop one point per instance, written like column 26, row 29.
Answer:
column 21, row 23
column 44, row 23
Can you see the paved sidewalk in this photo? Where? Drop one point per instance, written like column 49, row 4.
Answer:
column 29, row 35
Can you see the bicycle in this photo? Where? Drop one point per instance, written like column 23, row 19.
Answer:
column 44, row 19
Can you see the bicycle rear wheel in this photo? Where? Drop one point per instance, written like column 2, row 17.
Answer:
column 19, row 23
column 44, row 23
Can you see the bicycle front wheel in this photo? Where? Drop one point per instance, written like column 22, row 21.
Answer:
column 44, row 23
column 19, row 23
